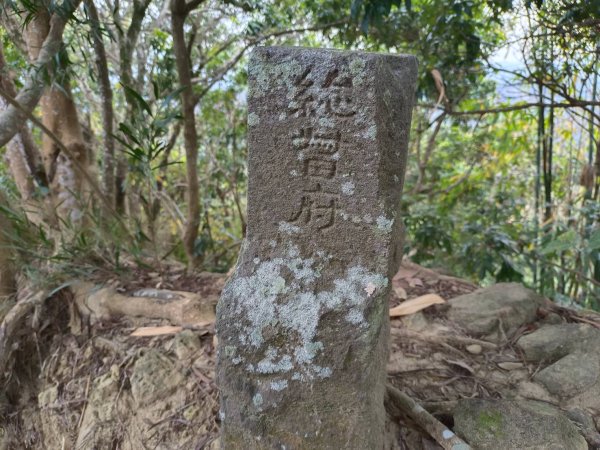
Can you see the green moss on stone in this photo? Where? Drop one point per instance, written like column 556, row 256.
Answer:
column 490, row 422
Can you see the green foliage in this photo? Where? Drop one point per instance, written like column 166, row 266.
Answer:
column 470, row 203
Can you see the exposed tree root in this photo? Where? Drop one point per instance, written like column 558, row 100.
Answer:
column 398, row 404
column 27, row 301
column 177, row 307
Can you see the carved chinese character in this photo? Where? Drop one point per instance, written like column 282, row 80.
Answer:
column 322, row 142
column 320, row 167
column 339, row 100
column 304, row 103
column 316, row 209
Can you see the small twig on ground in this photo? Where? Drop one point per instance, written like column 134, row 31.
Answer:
column 85, row 403
column 454, row 338
column 396, row 400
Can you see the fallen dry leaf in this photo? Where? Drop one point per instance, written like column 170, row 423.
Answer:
column 416, row 304
column 156, row 331
column 415, row 282
column 400, row 292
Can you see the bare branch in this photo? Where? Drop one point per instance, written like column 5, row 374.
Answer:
column 209, row 83
column 517, row 107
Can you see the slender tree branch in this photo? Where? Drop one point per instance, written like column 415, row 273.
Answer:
column 210, row 82
column 398, row 403
column 517, row 107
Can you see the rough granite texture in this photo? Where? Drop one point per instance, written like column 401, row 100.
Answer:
column 510, row 304
column 515, row 425
column 303, row 324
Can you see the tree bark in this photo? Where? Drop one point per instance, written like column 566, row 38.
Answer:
column 59, row 115
column 48, row 43
column 106, row 93
column 7, row 276
column 127, row 45
column 179, row 12
column 23, row 158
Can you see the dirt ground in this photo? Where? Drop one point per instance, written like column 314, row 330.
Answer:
column 95, row 386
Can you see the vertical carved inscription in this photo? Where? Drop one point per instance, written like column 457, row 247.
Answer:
column 318, row 147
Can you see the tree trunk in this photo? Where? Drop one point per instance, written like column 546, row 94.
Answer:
column 179, row 12
column 106, row 93
column 59, row 115
column 127, row 45
column 7, row 276
column 23, row 156
column 48, row 40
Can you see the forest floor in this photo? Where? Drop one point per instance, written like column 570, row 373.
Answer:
column 126, row 382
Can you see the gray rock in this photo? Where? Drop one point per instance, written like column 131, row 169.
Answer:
column 187, row 345
column 515, row 425
column 552, row 342
column 154, row 376
column 570, row 375
column 588, row 400
column 303, row 323
column 481, row 311
column 533, row 391
column 586, row 425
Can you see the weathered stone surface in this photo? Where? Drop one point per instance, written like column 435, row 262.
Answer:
column 552, row 342
column 481, row 311
column 154, row 375
column 515, row 425
column 570, row 375
column 302, row 324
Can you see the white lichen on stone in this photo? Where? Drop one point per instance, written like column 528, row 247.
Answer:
column 354, row 317
column 288, row 228
column 257, row 400
column 357, row 69
column 269, row 365
column 294, row 173
column 282, row 116
column 279, row 385
column 268, row 76
column 384, row 224
column 327, row 122
column 348, row 188
column 253, row 119
column 367, row 218
column 281, row 295
column 370, row 133
column 256, row 260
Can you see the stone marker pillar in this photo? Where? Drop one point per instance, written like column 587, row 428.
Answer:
column 303, row 323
